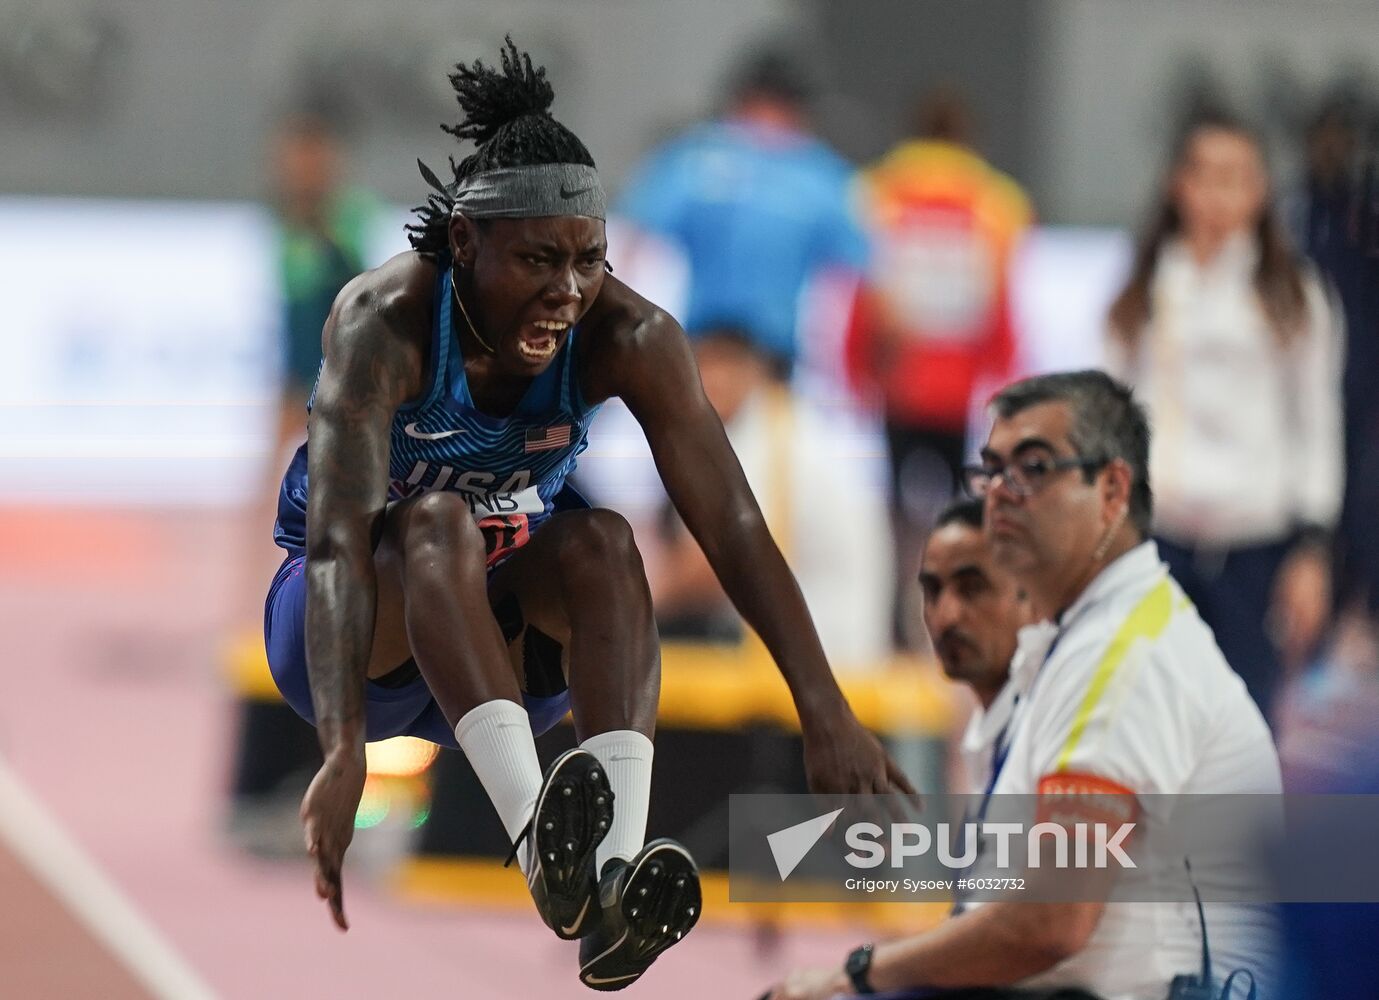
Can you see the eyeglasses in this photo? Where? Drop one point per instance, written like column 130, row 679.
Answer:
column 1023, row 477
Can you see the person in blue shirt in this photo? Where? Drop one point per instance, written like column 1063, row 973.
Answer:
column 757, row 204
column 443, row 581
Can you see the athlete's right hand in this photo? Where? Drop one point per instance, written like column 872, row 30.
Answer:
column 328, row 812
column 842, row 757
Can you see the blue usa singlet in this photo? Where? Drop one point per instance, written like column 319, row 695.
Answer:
column 508, row 469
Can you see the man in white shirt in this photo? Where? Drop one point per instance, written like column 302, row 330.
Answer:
column 1121, row 692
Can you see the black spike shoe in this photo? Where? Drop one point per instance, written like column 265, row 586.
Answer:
column 574, row 812
column 648, row 904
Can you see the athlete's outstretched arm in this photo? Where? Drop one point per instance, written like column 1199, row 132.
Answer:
column 368, row 373
column 659, row 381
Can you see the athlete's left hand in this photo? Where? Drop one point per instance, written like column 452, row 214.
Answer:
column 812, row 984
column 841, row 757
column 328, row 812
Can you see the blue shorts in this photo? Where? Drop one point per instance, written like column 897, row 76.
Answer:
column 405, row 710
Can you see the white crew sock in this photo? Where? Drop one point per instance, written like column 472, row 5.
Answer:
column 496, row 737
column 626, row 756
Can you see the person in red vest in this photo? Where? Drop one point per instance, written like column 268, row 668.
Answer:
column 932, row 323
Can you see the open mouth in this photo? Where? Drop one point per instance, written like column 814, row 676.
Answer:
column 540, row 340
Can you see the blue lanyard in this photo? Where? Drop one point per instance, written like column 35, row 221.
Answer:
column 1005, row 738
column 998, row 761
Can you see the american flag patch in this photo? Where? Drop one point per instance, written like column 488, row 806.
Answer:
column 548, row 438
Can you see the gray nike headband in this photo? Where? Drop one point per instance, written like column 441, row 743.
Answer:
column 531, row 191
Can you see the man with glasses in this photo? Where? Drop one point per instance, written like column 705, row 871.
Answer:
column 1121, row 694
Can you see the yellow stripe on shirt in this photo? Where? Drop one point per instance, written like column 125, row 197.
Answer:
column 1149, row 618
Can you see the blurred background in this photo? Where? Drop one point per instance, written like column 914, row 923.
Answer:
column 867, row 216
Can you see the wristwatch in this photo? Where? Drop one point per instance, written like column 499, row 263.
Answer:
column 858, row 967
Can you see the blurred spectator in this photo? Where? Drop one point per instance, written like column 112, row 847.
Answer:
column 322, row 228
column 1330, row 217
column 934, row 320
column 758, row 206
column 826, row 522
column 1233, row 347
column 1329, row 744
column 1326, row 721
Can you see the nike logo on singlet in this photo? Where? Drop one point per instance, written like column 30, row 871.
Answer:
column 411, row 431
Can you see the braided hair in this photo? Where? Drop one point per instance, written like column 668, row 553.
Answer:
column 507, row 115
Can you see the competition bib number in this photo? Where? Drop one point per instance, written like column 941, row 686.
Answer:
column 503, row 536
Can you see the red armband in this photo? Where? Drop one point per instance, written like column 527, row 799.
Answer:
column 1070, row 797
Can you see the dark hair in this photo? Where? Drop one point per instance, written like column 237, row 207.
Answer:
column 1107, row 424
column 777, row 364
column 963, row 510
column 943, row 114
column 1278, row 278
column 727, row 333
column 774, row 71
column 507, row 115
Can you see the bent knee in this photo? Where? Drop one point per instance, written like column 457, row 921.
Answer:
column 439, row 520
column 602, row 541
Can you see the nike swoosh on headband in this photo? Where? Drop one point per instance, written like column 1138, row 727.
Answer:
column 411, row 431
column 567, row 193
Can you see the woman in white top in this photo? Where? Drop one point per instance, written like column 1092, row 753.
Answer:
column 1230, row 342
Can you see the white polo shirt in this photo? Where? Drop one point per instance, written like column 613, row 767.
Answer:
column 1137, row 693
column 985, row 728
